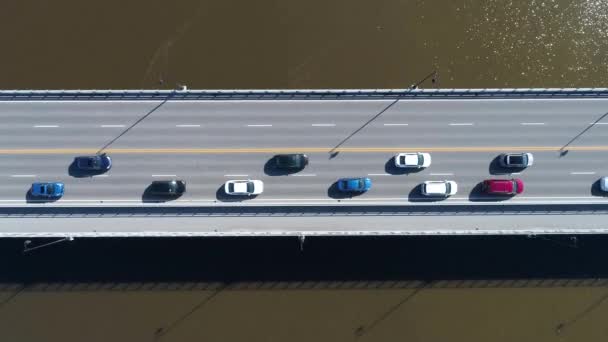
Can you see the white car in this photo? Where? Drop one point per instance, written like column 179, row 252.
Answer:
column 439, row 188
column 516, row 160
column 244, row 187
column 413, row 160
column 604, row 184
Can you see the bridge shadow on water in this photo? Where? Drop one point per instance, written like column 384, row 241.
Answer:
column 316, row 259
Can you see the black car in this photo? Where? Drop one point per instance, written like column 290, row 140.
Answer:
column 99, row 162
column 167, row 188
column 291, row 161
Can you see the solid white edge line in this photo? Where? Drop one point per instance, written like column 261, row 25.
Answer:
column 532, row 123
column 164, row 175
column 112, row 126
column 461, row 124
column 23, row 175
column 46, row 126
column 259, row 125
column 323, row 125
column 183, row 126
column 582, row 173
column 396, row 124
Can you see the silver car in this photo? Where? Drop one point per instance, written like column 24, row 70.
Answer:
column 517, row 160
column 604, row 184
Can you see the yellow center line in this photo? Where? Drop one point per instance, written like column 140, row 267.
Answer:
column 298, row 149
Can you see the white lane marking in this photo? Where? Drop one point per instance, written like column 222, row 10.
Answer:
column 598, row 123
column 46, row 126
column 516, row 173
column 97, row 176
column 112, row 126
column 164, row 175
column 236, row 175
column 442, row 174
column 532, row 123
column 378, row 174
column 183, row 126
column 304, row 175
column 323, row 125
column 583, row 173
column 461, row 124
column 396, row 124
column 259, row 125
column 23, row 175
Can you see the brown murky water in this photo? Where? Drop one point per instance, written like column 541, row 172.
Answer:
column 449, row 313
column 304, row 44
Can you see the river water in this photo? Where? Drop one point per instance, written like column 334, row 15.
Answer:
column 303, row 44
column 152, row 292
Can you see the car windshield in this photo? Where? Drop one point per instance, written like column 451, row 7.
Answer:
column 447, row 188
column 231, row 187
column 402, row 160
column 360, row 183
column 49, row 189
column 420, row 159
column 250, row 187
column 517, row 159
column 514, row 186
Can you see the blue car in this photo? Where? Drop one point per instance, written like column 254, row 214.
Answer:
column 361, row 184
column 47, row 190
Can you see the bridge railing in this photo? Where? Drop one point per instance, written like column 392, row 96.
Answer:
column 299, row 94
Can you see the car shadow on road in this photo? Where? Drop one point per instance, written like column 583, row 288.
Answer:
column 416, row 195
column 496, row 169
column 222, row 196
column 29, row 198
column 597, row 191
column 334, row 193
column 148, row 197
column 271, row 169
column 391, row 168
column 478, row 195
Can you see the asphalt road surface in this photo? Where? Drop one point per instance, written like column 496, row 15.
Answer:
column 207, row 143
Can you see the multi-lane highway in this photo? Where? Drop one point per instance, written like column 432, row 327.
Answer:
column 206, row 143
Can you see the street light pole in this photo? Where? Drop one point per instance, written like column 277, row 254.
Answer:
column 27, row 243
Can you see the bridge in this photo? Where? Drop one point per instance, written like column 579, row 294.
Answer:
column 209, row 137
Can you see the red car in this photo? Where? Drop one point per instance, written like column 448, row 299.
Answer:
column 503, row 186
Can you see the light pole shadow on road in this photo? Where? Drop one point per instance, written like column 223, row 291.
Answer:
column 135, row 123
column 563, row 151
column 334, row 151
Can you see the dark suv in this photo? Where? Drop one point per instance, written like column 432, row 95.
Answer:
column 168, row 188
column 291, row 161
column 96, row 163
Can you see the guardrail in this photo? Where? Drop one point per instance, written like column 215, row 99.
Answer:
column 303, row 211
column 298, row 94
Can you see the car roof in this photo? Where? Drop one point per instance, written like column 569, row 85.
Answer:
column 500, row 185
column 436, row 187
